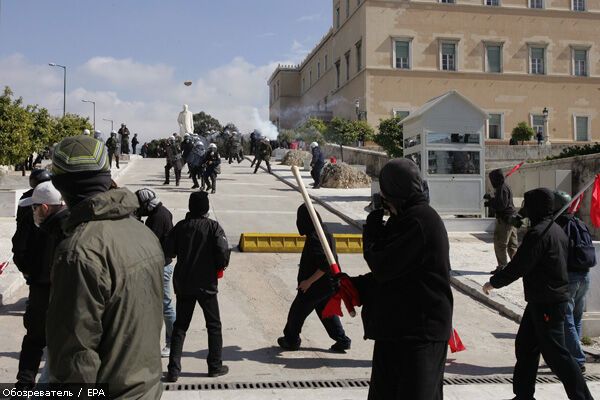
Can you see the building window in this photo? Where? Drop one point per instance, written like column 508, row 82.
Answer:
column 337, row 17
column 536, row 3
column 310, row 78
column 402, row 54
column 578, row 5
column 538, row 124
column 326, row 62
column 492, row 2
column 537, row 56
column 325, row 102
column 337, row 74
column 493, row 58
column 347, row 9
column 347, row 57
column 319, row 70
column 358, row 56
column 580, row 62
column 401, row 114
column 582, row 129
column 495, row 126
column 448, row 56
column 303, row 84
column 447, row 1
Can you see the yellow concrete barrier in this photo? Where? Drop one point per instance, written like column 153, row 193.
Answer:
column 293, row 243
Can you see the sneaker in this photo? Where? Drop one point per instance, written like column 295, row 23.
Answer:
column 284, row 344
column 340, row 347
column 195, row 187
column 165, row 182
column 219, row 371
column 165, row 352
column 171, row 377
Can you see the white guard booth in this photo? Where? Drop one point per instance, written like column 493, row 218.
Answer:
column 446, row 138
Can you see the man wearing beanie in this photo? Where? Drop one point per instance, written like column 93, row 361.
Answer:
column 202, row 252
column 105, row 313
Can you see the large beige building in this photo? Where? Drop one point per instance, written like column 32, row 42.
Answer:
column 513, row 58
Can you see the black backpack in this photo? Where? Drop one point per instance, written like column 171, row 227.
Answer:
column 582, row 254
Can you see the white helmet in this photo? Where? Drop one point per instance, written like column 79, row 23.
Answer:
column 86, row 132
column 314, row 144
column 212, row 146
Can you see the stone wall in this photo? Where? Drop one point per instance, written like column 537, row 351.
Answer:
column 373, row 160
column 501, row 156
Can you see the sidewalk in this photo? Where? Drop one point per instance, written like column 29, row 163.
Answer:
column 471, row 254
column 11, row 278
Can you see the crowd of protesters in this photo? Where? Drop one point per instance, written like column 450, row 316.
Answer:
column 99, row 279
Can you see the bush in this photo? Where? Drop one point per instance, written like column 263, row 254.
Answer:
column 522, row 132
column 390, row 136
column 575, row 151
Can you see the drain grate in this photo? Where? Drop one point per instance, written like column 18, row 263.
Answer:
column 352, row 383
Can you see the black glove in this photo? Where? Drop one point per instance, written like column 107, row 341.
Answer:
column 374, row 226
column 516, row 221
column 487, row 196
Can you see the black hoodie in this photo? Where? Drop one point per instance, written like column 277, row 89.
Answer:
column 502, row 202
column 541, row 260
column 410, row 263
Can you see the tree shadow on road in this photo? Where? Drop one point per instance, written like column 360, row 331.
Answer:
column 304, row 358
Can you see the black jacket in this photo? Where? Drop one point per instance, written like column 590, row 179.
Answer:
column 502, row 202
column 541, row 260
column 25, row 243
column 408, row 295
column 160, row 221
column 317, row 157
column 201, row 248
column 53, row 233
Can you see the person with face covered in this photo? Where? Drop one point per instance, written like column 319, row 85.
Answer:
column 407, row 300
column 160, row 221
column 541, row 261
column 48, row 214
column 316, row 285
column 211, row 167
column 505, row 234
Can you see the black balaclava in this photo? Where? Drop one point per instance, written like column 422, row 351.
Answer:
column 401, row 184
column 497, row 178
column 199, row 204
column 538, row 205
column 304, row 222
column 76, row 187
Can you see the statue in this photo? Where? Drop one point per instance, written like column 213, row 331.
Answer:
column 124, row 136
column 186, row 121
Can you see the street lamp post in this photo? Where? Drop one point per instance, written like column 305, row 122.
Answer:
column 546, row 125
column 112, row 123
column 94, row 103
column 64, row 86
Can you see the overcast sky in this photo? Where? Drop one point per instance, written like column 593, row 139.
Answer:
column 132, row 56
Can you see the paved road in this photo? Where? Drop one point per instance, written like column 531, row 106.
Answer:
column 258, row 288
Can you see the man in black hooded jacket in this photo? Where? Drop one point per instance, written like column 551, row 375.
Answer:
column 407, row 300
column 505, row 234
column 542, row 263
column 316, row 285
column 202, row 251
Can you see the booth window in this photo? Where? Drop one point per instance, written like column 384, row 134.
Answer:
column 447, row 162
column 412, row 141
column 461, row 138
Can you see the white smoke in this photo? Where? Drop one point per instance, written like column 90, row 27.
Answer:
column 266, row 128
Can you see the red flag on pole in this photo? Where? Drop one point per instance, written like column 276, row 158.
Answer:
column 576, row 205
column 515, row 168
column 595, row 206
column 455, row 343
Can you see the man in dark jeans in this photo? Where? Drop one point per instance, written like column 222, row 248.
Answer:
column 542, row 263
column 505, row 234
column 202, row 252
column 316, row 285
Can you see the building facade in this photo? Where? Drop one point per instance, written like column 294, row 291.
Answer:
column 513, row 58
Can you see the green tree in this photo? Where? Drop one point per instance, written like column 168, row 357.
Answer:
column 286, row 134
column 522, row 132
column 390, row 136
column 16, row 124
column 345, row 133
column 69, row 125
column 205, row 123
column 316, row 124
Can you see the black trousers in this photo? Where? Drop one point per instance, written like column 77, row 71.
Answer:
column 408, row 370
column 196, row 172
column 168, row 170
column 34, row 340
column 110, row 158
column 315, row 172
column 303, row 305
column 260, row 160
column 542, row 332
column 184, row 311
column 133, row 146
column 235, row 155
column 210, row 180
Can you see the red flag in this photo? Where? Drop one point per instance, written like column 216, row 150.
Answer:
column 595, row 206
column 576, row 205
column 346, row 294
column 515, row 168
column 455, row 343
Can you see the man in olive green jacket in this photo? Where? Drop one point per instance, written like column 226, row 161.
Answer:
column 105, row 313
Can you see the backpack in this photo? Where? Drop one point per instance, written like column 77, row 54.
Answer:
column 582, row 254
